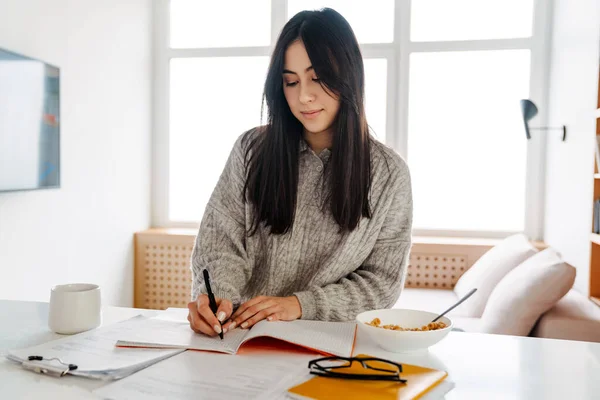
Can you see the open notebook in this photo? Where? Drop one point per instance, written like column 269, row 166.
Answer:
column 328, row 338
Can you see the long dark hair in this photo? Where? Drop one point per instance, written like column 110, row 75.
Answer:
column 272, row 156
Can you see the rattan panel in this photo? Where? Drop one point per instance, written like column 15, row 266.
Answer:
column 163, row 276
column 435, row 271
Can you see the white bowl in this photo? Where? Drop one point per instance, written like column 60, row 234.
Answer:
column 402, row 341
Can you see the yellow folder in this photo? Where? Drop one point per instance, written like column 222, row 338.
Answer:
column 419, row 381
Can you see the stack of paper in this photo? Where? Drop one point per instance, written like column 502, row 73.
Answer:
column 199, row 375
column 95, row 354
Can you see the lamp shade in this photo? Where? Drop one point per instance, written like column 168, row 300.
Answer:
column 529, row 110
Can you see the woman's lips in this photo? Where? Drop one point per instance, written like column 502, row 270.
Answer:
column 311, row 114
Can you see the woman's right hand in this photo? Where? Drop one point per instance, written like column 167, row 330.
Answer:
column 203, row 320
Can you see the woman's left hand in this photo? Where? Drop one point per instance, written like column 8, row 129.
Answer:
column 265, row 307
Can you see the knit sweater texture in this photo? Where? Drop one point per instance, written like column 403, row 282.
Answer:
column 335, row 276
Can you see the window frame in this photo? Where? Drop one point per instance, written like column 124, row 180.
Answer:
column 397, row 54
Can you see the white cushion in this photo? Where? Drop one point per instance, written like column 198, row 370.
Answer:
column 526, row 292
column 489, row 270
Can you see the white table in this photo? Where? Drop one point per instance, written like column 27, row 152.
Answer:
column 481, row 366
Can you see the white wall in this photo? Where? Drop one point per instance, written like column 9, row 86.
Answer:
column 84, row 230
column 572, row 102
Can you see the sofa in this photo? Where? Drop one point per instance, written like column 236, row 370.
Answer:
column 522, row 290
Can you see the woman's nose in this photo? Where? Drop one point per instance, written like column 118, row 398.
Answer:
column 306, row 95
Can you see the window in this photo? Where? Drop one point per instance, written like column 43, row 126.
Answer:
column 200, row 101
column 442, row 84
column 465, row 148
column 442, row 20
column 206, row 24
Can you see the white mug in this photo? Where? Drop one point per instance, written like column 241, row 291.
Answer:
column 74, row 308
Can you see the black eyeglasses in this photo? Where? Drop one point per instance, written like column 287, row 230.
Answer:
column 380, row 369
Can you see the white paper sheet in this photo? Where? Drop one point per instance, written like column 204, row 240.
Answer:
column 197, row 375
column 94, row 352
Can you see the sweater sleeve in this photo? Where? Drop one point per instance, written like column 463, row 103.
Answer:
column 220, row 245
column 377, row 283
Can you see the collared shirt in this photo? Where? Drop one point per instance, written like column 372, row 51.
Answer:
column 334, row 275
column 314, row 165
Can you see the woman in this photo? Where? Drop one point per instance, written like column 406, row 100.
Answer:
column 311, row 217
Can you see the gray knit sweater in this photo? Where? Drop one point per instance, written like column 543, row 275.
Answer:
column 334, row 276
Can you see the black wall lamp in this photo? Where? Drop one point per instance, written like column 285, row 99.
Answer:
column 529, row 110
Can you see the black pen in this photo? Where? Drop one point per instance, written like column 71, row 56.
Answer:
column 211, row 299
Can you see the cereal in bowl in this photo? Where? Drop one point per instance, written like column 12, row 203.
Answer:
column 432, row 326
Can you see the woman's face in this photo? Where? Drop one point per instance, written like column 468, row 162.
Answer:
column 314, row 107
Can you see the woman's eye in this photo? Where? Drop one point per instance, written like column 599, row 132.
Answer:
column 290, row 84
